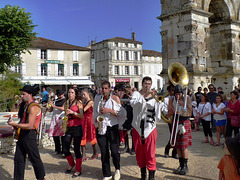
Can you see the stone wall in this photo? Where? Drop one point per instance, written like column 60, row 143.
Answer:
column 203, row 35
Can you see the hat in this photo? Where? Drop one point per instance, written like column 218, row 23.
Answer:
column 220, row 88
column 29, row 89
column 59, row 92
column 194, row 103
column 178, row 89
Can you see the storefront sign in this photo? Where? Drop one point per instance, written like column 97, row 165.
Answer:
column 52, row 61
column 122, row 80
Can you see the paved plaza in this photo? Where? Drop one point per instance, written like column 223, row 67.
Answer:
column 203, row 161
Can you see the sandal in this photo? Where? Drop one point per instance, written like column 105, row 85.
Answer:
column 76, row 174
column 217, row 144
column 84, row 159
column 205, row 141
column 94, row 157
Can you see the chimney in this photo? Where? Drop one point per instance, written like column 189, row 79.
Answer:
column 133, row 36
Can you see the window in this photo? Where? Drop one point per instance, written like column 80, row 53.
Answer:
column 18, row 68
column 126, row 55
column 43, row 54
column 126, row 44
column 126, row 70
column 135, row 70
column 60, row 70
column 135, row 56
column 44, row 69
column 116, row 70
column 75, row 69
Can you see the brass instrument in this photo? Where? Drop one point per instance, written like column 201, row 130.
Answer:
column 65, row 118
column 160, row 99
column 100, row 118
column 178, row 75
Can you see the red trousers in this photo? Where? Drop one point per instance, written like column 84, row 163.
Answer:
column 145, row 153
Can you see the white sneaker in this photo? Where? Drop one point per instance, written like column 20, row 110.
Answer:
column 117, row 175
column 107, row 178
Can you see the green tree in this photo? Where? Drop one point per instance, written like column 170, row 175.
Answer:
column 16, row 34
column 10, row 84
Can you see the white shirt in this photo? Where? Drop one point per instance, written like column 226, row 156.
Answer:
column 218, row 109
column 109, row 119
column 194, row 111
column 140, row 111
column 203, row 109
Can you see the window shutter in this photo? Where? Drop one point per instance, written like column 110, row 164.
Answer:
column 113, row 70
column 49, row 54
column 60, row 55
column 56, row 70
column 120, row 70
column 123, row 55
column 38, row 53
column 130, row 70
column 49, row 69
column 80, row 69
column 124, row 73
column 138, row 55
column 120, row 55
column 39, row 69
column 23, row 69
column 115, row 55
column 75, row 55
column 65, row 69
column 139, row 70
column 71, row 69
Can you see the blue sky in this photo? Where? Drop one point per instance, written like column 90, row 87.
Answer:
column 78, row 22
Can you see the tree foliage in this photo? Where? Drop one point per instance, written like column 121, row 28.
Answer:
column 16, row 34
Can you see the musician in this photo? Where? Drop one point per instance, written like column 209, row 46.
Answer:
column 27, row 142
column 108, row 107
column 183, row 140
column 74, row 130
column 146, row 110
column 56, row 126
column 170, row 90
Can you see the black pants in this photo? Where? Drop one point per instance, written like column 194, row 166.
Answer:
column 168, row 146
column 58, row 143
column 111, row 137
column 27, row 144
column 206, row 128
column 230, row 128
column 76, row 134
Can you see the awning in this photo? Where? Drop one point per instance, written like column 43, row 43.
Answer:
column 32, row 81
column 81, row 82
column 56, row 82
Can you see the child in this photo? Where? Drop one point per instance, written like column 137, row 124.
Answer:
column 196, row 123
column 229, row 165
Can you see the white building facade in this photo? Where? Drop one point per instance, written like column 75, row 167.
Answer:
column 152, row 67
column 54, row 63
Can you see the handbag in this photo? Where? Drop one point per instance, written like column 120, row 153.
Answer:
column 235, row 120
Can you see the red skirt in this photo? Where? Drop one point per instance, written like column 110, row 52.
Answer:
column 89, row 130
column 184, row 140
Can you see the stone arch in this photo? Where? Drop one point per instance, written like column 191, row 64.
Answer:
column 227, row 3
column 220, row 11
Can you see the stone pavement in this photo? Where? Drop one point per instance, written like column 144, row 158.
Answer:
column 203, row 161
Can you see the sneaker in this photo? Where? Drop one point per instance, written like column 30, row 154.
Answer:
column 107, row 178
column 117, row 175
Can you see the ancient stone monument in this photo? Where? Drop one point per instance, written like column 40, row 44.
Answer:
column 203, row 35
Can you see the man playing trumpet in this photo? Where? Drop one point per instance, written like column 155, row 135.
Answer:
column 184, row 136
column 146, row 110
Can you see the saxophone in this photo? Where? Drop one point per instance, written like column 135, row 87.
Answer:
column 65, row 118
column 100, row 118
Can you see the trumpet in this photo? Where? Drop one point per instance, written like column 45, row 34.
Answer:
column 65, row 118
